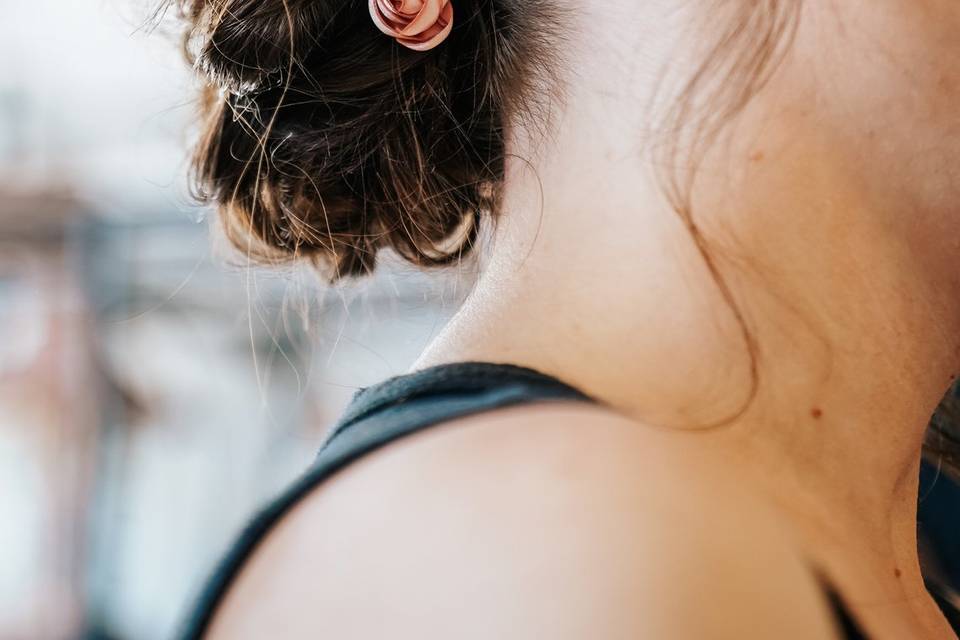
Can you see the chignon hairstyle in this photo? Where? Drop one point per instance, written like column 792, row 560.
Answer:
column 325, row 141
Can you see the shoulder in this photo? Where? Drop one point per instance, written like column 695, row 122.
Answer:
column 559, row 521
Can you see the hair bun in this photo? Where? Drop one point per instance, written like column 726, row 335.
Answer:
column 333, row 143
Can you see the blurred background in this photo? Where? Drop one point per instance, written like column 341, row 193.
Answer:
column 154, row 389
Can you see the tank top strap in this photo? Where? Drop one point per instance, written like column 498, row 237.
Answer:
column 408, row 403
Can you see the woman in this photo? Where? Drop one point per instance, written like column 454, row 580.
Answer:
column 718, row 303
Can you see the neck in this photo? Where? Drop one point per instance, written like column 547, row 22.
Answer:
column 595, row 279
column 592, row 277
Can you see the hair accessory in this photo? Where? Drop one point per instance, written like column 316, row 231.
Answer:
column 416, row 24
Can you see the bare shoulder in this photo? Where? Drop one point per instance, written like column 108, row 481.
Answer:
column 550, row 521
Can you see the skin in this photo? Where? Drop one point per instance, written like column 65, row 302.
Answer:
column 830, row 207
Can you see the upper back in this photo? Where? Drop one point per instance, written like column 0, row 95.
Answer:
column 558, row 520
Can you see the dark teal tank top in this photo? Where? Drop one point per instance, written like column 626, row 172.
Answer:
column 385, row 413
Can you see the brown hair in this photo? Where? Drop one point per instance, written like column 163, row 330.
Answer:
column 326, row 141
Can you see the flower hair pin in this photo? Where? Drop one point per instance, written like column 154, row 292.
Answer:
column 420, row 25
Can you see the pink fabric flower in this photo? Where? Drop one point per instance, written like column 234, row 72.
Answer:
column 416, row 24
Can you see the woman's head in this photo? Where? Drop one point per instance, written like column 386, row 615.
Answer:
column 326, row 140
column 783, row 121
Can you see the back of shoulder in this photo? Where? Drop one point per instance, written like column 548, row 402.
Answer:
column 535, row 522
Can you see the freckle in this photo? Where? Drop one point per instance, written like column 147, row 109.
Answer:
column 897, row 573
column 816, row 412
column 756, row 156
